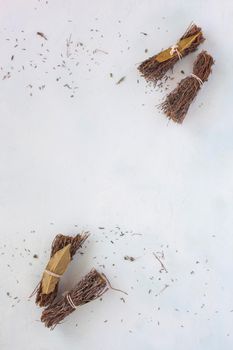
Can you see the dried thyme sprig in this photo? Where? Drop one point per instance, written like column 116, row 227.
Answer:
column 59, row 242
column 153, row 71
column 91, row 287
column 177, row 103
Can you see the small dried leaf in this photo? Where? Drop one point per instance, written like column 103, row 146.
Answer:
column 57, row 264
column 182, row 45
column 42, row 35
column 129, row 258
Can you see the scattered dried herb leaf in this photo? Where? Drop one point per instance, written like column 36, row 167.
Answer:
column 129, row 258
column 42, row 35
column 120, row 81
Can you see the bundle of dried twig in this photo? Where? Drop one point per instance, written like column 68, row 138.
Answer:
column 60, row 242
column 177, row 103
column 91, row 287
column 155, row 67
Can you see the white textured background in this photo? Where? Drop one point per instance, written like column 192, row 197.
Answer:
column 106, row 157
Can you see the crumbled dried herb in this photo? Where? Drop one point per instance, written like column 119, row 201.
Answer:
column 129, row 258
column 120, row 81
column 42, row 35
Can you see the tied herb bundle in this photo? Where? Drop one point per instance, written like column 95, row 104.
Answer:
column 91, row 287
column 155, row 67
column 62, row 251
column 177, row 103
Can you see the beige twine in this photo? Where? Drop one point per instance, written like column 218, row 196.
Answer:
column 174, row 49
column 52, row 274
column 198, row 79
column 70, row 301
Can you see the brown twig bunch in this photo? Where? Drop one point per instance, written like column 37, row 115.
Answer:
column 177, row 103
column 153, row 71
column 59, row 242
column 91, row 287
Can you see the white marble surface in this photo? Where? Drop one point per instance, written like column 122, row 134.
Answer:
column 106, row 157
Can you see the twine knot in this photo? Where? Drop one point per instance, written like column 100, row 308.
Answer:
column 175, row 49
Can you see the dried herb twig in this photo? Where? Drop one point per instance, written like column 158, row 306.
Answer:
column 120, row 80
column 163, row 289
column 91, row 287
column 177, row 103
column 154, row 70
column 163, row 268
column 69, row 42
column 59, row 243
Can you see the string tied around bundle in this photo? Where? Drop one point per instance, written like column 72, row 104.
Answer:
column 175, row 49
column 198, row 79
column 70, row 301
column 53, row 274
